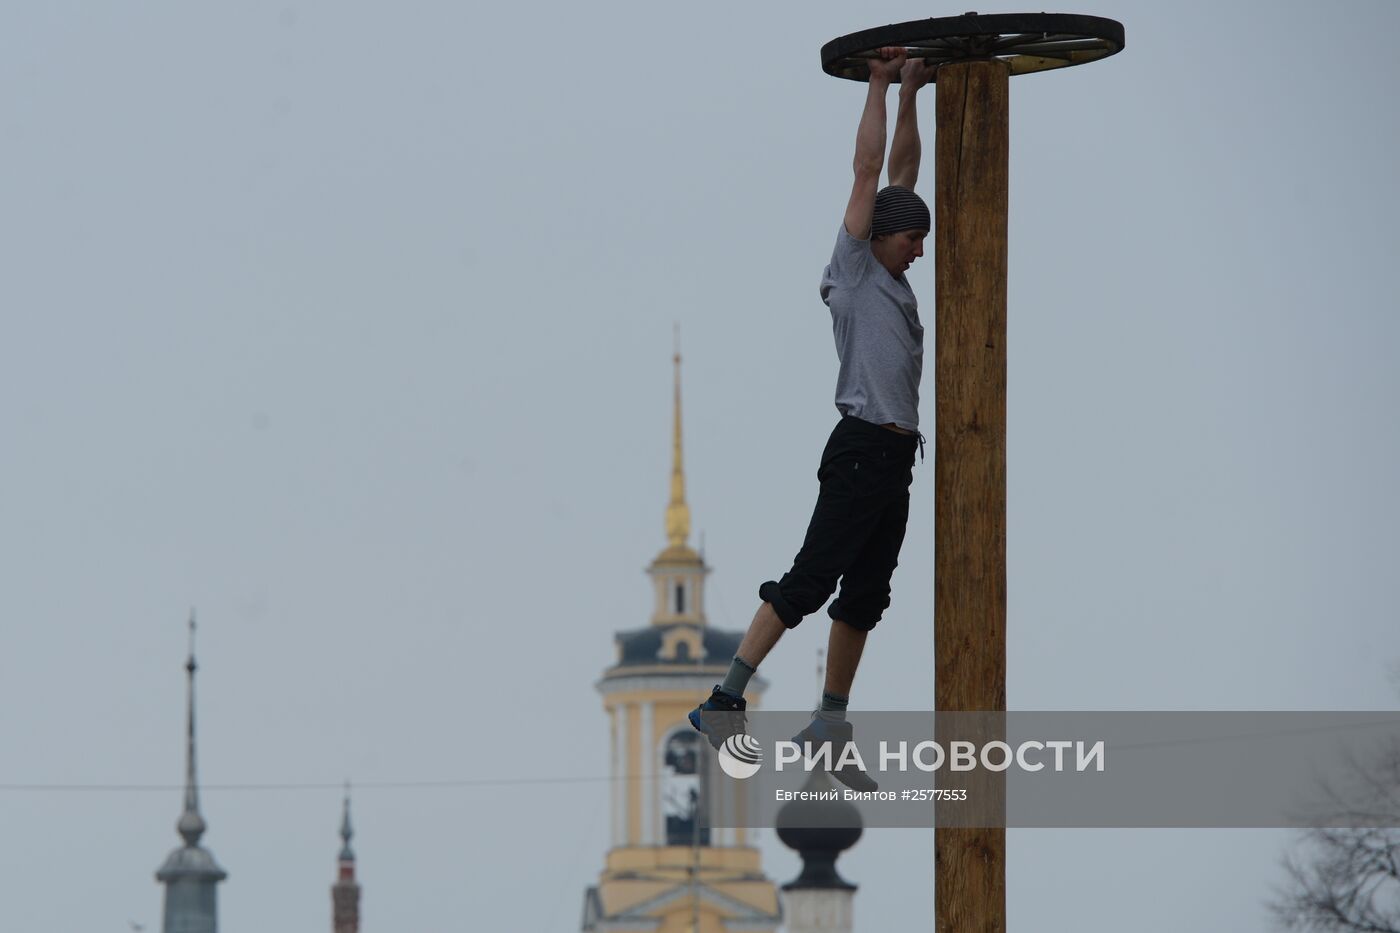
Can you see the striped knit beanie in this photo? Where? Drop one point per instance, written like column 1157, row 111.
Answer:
column 898, row 209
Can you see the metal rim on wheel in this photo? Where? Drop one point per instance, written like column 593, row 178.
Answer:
column 1027, row 42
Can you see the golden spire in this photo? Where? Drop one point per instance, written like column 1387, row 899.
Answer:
column 677, row 513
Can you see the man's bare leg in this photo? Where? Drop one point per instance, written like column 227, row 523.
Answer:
column 722, row 715
column 844, row 647
column 764, row 632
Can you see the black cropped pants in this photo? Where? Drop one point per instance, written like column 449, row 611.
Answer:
column 856, row 530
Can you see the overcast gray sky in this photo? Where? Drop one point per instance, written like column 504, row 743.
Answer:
column 350, row 325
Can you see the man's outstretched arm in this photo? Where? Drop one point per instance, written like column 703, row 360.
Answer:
column 870, row 143
column 906, row 149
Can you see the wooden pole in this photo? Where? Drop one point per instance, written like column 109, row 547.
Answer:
column 970, row 210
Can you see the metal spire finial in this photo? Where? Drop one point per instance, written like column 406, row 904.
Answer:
column 677, row 512
column 346, row 832
column 191, row 824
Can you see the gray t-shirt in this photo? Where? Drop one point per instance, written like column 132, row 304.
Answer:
column 879, row 340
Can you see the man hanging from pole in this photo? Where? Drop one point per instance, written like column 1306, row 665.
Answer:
column 866, row 469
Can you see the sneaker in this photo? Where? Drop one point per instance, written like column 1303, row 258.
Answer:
column 720, row 717
column 839, row 733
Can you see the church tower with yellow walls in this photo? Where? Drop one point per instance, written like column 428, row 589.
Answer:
column 668, row 871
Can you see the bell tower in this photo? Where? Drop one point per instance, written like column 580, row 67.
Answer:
column 667, row 868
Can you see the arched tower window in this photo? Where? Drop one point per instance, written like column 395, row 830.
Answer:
column 682, row 790
column 680, row 598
